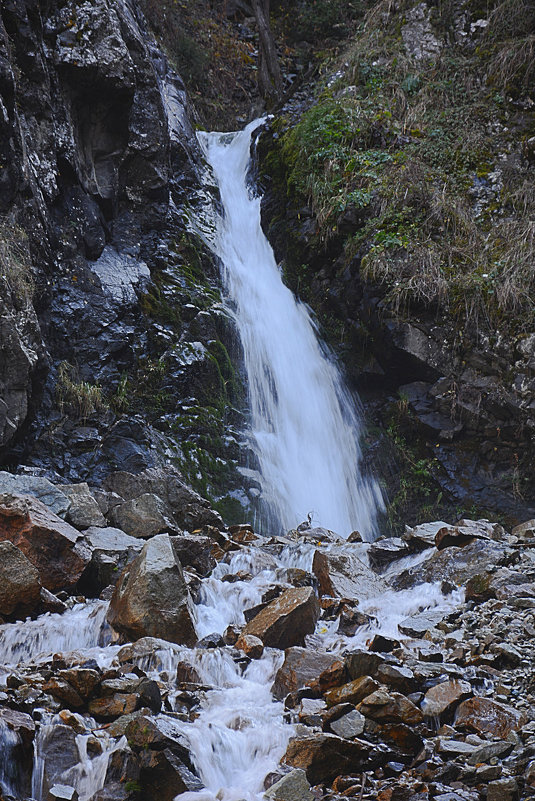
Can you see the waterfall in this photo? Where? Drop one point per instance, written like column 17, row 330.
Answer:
column 305, row 426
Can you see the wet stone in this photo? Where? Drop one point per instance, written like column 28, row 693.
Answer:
column 353, row 692
column 483, row 715
column 443, row 697
column 349, row 726
column 300, row 667
column 286, row 620
column 292, row 787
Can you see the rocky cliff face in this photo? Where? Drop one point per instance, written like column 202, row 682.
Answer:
column 108, row 317
column 400, row 206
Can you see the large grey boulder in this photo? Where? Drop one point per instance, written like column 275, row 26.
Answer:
column 151, row 598
column 143, row 517
column 342, row 574
column 19, row 581
column 83, row 511
column 111, row 550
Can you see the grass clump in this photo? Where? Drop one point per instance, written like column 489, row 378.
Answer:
column 78, row 397
column 15, row 262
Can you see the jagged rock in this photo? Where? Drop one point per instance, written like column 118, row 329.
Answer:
column 292, row 787
column 148, row 732
column 396, row 677
column 325, row 756
column 20, row 723
column 422, row 536
column 342, row 574
column 189, row 510
column 353, row 692
column 112, row 706
column 455, row 565
column 418, row 625
column 62, row 792
column 390, row 708
column 502, row 790
column 386, row 550
column 251, row 646
column 524, row 531
column 19, row 582
column 443, row 697
column 487, row 751
column 144, row 516
column 83, row 680
column 195, row 551
column 286, row 620
column 48, row 602
column 53, row 546
column 151, row 597
column 83, row 511
column 483, row 715
column 111, row 550
column 59, row 752
column 41, row 488
column 145, row 650
column 363, row 663
column 300, row 667
column 349, row 726
column 163, row 776
column 64, row 692
column 465, row 531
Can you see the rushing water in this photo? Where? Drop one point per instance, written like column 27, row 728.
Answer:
column 305, row 425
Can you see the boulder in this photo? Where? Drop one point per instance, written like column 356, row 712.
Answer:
column 300, row 667
column 325, row 756
column 143, row 517
column 353, row 692
column 189, row 510
column 163, row 776
column 386, row 550
column 53, row 547
column 465, row 531
column 195, row 551
column 363, row 663
column 20, row 586
column 158, row 732
column 251, row 646
column 111, row 550
column 442, row 698
column 83, row 511
column 485, row 716
column 286, row 620
column 151, row 598
column 113, row 706
column 390, row 708
column 41, row 488
column 349, row 726
column 292, row 787
column 422, row 536
column 342, row 574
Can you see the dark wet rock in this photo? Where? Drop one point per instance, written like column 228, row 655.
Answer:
column 300, row 667
column 488, row 751
column 157, row 733
column 383, row 644
column 63, row 692
column 144, row 516
column 20, row 586
column 291, row 787
column 83, row 511
column 53, row 546
column 60, row 752
column 195, row 551
column 503, row 790
column 188, row 509
column 286, row 620
column 325, row 756
column 397, row 677
column 48, row 602
column 41, row 488
column 83, row 680
column 151, row 597
column 465, row 531
column 422, row 536
column 163, row 776
column 213, row 640
column 418, row 625
column 486, row 716
column 363, row 663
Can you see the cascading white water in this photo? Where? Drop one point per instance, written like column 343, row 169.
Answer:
column 305, row 425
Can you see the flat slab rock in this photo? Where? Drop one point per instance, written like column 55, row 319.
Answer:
column 485, row 716
column 325, row 756
column 287, row 620
column 342, row 574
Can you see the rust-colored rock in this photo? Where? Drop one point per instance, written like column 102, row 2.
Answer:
column 62, row 691
column 388, row 707
column 286, row 620
column 301, row 667
column 48, row 542
column 442, row 698
column 20, row 586
column 111, row 706
column 83, row 680
column 252, row 646
column 325, row 756
column 353, row 692
column 483, row 715
column 402, row 736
